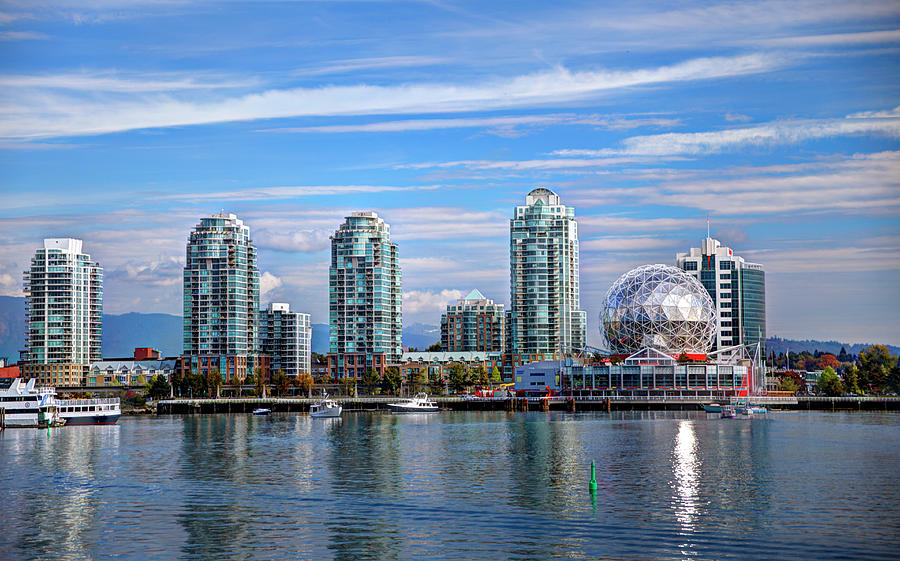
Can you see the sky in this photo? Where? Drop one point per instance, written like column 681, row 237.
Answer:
column 122, row 122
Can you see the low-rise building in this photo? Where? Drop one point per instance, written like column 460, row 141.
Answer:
column 129, row 372
column 437, row 365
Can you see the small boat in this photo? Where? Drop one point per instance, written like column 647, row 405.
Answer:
column 262, row 411
column 418, row 404
column 98, row 411
column 710, row 407
column 325, row 408
column 729, row 412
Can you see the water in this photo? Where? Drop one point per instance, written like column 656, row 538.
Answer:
column 464, row 485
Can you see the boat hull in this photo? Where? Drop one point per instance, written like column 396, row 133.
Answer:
column 404, row 409
column 92, row 420
column 326, row 413
column 712, row 408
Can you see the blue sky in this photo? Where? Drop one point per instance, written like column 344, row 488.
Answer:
column 124, row 121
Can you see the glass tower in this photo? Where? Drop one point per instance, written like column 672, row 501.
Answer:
column 364, row 301
column 738, row 290
column 63, row 313
column 545, row 316
column 474, row 323
column 221, row 298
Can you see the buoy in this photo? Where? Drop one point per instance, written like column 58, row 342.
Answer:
column 592, row 486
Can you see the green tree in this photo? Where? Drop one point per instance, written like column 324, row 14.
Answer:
column 436, row 348
column 259, row 376
column 159, row 387
column 417, row 381
column 176, row 380
column 459, row 377
column 788, row 384
column 371, row 380
column 391, row 380
column 281, row 382
column 480, row 376
column 874, row 365
column 829, row 383
column 851, row 380
column 496, row 378
column 893, row 379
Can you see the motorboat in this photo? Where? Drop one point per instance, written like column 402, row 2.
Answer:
column 418, row 404
column 262, row 411
column 710, row 407
column 98, row 411
column 325, row 408
column 24, row 405
column 729, row 412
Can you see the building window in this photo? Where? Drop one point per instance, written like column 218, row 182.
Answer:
column 690, row 265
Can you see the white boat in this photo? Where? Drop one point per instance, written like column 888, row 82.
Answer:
column 729, row 412
column 418, row 404
column 325, row 408
column 24, row 405
column 261, row 411
column 102, row 411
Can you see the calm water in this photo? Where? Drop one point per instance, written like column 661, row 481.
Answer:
column 466, row 485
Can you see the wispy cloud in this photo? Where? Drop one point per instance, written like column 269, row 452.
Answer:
column 21, row 36
column 374, row 63
column 837, row 39
column 54, row 114
column 117, row 82
column 266, row 193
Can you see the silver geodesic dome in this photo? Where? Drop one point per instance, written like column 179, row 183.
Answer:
column 658, row 306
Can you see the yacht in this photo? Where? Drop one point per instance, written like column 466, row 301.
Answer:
column 24, row 405
column 103, row 411
column 418, row 404
column 262, row 411
column 711, row 407
column 325, row 408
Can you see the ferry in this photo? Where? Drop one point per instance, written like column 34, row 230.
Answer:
column 24, row 405
column 103, row 411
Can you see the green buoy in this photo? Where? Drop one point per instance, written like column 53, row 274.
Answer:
column 592, row 486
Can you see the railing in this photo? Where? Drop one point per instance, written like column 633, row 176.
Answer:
column 91, row 401
column 848, row 399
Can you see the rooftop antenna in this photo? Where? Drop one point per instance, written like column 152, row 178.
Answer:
column 707, row 226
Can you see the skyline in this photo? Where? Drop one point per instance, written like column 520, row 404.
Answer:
column 125, row 124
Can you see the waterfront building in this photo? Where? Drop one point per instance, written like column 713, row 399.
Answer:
column 63, row 313
column 364, row 287
column 128, row 372
column 435, row 366
column 474, row 323
column 221, row 298
column 285, row 336
column 545, row 314
column 737, row 288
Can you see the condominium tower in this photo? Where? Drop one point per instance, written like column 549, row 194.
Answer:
column 63, row 313
column 285, row 337
column 545, row 318
column 364, row 297
column 221, row 298
column 474, row 323
column 738, row 290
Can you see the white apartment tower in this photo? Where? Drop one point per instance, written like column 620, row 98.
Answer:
column 545, row 316
column 63, row 313
column 285, row 336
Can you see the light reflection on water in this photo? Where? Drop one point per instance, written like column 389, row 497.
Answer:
column 459, row 485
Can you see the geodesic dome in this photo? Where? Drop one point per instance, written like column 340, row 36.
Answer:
column 658, row 306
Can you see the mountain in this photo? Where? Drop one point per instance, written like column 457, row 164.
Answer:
column 122, row 333
column 780, row 345
column 421, row 336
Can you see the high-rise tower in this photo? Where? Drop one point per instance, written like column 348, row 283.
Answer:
column 221, row 298
column 285, row 336
column 474, row 323
column 738, row 290
column 545, row 316
column 63, row 313
column 364, row 297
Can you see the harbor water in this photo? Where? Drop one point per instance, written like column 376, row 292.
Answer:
column 455, row 485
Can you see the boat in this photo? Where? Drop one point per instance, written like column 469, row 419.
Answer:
column 418, row 404
column 24, row 405
column 325, row 408
column 729, row 412
column 101, row 411
column 262, row 411
column 710, row 407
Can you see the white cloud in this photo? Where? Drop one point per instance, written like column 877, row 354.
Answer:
column 53, row 114
column 374, row 63
column 424, row 301
column 843, row 39
column 268, row 282
column 618, row 244
column 21, row 36
column 301, row 241
column 267, row 193
column 118, row 82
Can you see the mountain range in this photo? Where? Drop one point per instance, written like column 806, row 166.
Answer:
column 122, row 333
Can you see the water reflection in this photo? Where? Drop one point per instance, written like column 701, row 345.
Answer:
column 686, row 468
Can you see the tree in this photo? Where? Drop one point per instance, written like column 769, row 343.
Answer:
column 159, row 387
column 788, row 384
column 829, row 384
column 874, row 365
column 214, row 381
column 259, row 376
column 371, row 380
column 459, row 377
column 250, row 380
column 480, row 376
column 281, row 382
column 827, row 360
column 436, row 348
column 305, row 383
column 851, row 380
column 496, row 378
column 417, row 380
column 177, row 380
column 893, row 379
column 391, row 380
